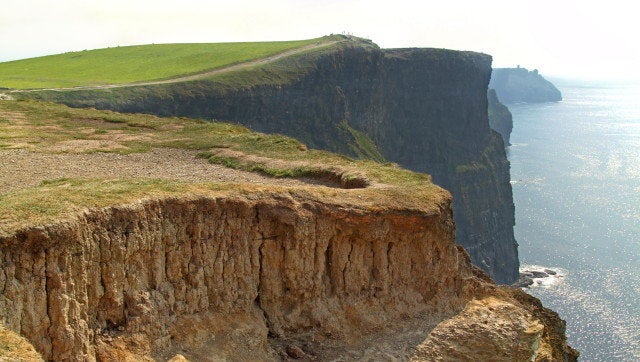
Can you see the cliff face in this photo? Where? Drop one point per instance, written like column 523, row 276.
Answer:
column 520, row 85
column 500, row 118
column 239, row 277
column 437, row 123
column 425, row 109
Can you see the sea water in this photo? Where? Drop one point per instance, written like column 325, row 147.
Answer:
column 575, row 171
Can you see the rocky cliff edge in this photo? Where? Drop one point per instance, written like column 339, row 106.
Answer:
column 294, row 254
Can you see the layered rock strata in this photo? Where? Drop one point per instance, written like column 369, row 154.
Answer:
column 253, row 276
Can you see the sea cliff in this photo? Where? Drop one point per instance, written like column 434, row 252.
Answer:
column 239, row 277
column 424, row 109
column 514, row 85
column 500, row 118
column 208, row 241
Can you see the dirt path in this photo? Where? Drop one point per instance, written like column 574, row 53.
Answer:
column 227, row 69
column 22, row 168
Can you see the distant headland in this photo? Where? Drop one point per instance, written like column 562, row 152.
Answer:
column 513, row 85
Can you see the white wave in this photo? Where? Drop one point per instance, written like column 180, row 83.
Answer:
column 537, row 180
column 519, row 145
column 552, row 275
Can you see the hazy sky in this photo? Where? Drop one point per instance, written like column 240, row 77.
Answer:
column 586, row 39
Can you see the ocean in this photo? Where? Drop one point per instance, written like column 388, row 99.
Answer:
column 575, row 171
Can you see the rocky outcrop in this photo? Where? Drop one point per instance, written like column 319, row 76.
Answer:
column 236, row 277
column 425, row 109
column 498, row 329
column 514, row 85
column 500, row 118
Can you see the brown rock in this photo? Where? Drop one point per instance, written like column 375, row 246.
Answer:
column 217, row 276
column 178, row 358
column 489, row 329
column 295, row 351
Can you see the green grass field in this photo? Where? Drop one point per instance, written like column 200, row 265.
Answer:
column 134, row 63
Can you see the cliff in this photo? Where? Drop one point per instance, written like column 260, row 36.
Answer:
column 514, row 85
column 264, row 275
column 500, row 118
column 425, row 109
column 159, row 238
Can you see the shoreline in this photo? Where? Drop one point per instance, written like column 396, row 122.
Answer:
column 532, row 276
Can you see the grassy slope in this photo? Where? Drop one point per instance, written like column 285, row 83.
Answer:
column 39, row 126
column 134, row 63
column 279, row 72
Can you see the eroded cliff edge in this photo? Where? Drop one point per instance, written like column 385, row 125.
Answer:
column 274, row 250
column 425, row 109
column 245, row 276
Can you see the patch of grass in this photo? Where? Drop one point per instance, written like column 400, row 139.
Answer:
column 322, row 172
column 227, row 144
column 278, row 172
column 138, row 63
column 56, row 182
column 55, row 198
column 295, row 172
column 471, row 167
column 363, row 146
column 230, row 162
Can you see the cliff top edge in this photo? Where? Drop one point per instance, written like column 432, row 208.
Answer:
column 65, row 160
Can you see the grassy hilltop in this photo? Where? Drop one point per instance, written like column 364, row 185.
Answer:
column 139, row 63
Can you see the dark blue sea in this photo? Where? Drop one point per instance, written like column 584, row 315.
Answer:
column 575, row 171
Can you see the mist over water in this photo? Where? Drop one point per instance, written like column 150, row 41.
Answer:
column 575, row 170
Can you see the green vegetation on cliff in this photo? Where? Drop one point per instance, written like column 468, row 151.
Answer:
column 139, row 63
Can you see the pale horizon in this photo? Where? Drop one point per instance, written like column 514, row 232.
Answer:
column 570, row 39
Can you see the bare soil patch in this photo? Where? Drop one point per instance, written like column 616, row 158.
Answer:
column 21, row 168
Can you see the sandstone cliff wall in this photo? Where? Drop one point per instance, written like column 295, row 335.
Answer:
column 425, row 109
column 167, row 273
column 239, row 277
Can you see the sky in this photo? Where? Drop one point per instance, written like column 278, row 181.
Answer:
column 562, row 38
